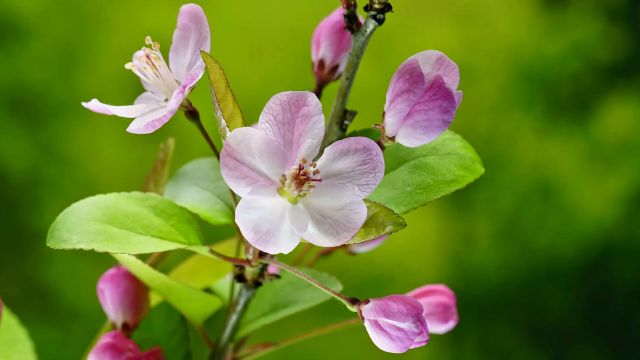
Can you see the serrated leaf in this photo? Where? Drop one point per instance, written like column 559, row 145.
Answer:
column 199, row 187
column 417, row 176
column 157, row 177
column 224, row 101
column 164, row 327
column 194, row 304
column 284, row 297
column 15, row 343
column 380, row 221
column 125, row 223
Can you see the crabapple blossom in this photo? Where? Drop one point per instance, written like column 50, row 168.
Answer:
column 330, row 47
column 394, row 323
column 115, row 346
column 123, row 297
column 439, row 304
column 286, row 195
column 167, row 86
column 422, row 99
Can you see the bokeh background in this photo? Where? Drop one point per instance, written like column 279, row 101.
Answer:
column 542, row 250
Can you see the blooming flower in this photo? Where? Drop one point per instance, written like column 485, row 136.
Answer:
column 394, row 323
column 124, row 298
column 167, row 86
column 115, row 346
column 422, row 99
column 330, row 48
column 439, row 304
column 366, row 246
column 285, row 194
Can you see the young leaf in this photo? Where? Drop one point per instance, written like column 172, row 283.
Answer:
column 159, row 174
column 129, row 223
column 15, row 343
column 196, row 305
column 199, row 187
column 417, row 176
column 224, row 102
column 164, row 327
column 284, row 297
column 202, row 271
column 380, row 221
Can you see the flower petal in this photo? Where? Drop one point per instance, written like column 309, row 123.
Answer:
column 332, row 223
column 251, row 163
column 271, row 224
column 127, row 111
column 406, row 87
column 439, row 303
column 430, row 116
column 294, row 120
column 331, row 42
column 352, row 168
column 192, row 34
column 433, row 61
column 158, row 116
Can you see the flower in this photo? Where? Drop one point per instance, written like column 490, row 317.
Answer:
column 422, row 99
column 115, row 346
column 366, row 246
column 167, row 86
column 394, row 323
column 330, row 48
column 124, row 298
column 285, row 194
column 439, row 304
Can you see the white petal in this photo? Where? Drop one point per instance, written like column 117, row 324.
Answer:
column 192, row 34
column 332, row 223
column 127, row 111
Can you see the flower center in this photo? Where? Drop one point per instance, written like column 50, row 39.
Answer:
column 299, row 181
column 149, row 65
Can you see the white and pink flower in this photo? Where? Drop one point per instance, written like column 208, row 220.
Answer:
column 167, row 86
column 286, row 195
column 439, row 304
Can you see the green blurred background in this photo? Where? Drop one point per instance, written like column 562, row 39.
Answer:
column 542, row 250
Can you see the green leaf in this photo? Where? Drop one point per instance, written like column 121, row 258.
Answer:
column 196, row 305
column 202, row 271
column 159, row 174
column 380, row 221
column 417, row 176
column 164, row 327
column 224, row 101
column 15, row 343
column 370, row 133
column 283, row 297
column 129, row 223
column 199, row 187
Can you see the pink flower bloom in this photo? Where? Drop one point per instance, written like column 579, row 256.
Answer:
column 115, row 346
column 167, row 85
column 366, row 246
column 124, row 298
column 285, row 194
column 422, row 99
column 330, row 48
column 394, row 323
column 439, row 304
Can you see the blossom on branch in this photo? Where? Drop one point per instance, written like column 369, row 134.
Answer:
column 439, row 304
column 123, row 297
column 167, row 86
column 286, row 195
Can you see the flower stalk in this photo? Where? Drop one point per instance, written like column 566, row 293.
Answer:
column 238, row 309
column 193, row 115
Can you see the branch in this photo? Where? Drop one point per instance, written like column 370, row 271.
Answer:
column 351, row 18
column 238, row 308
column 193, row 115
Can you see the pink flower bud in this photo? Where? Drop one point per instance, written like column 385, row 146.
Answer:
column 439, row 304
column 422, row 99
column 330, row 48
column 115, row 346
column 366, row 246
column 124, row 298
column 394, row 323
column 273, row 269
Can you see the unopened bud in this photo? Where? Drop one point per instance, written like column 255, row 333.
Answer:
column 124, row 298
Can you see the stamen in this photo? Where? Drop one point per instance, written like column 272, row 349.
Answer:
column 150, row 66
column 299, row 181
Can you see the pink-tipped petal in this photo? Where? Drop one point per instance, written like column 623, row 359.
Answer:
column 434, row 61
column 439, row 303
column 351, row 168
column 333, row 221
column 430, row 116
column 366, row 246
column 252, row 163
column 294, row 121
column 126, row 111
column 330, row 46
column 394, row 323
column 156, row 118
column 192, row 34
column 271, row 224
column 123, row 297
column 406, row 87
column 115, row 346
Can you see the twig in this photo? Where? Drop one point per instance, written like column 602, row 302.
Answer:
column 239, row 307
column 193, row 115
